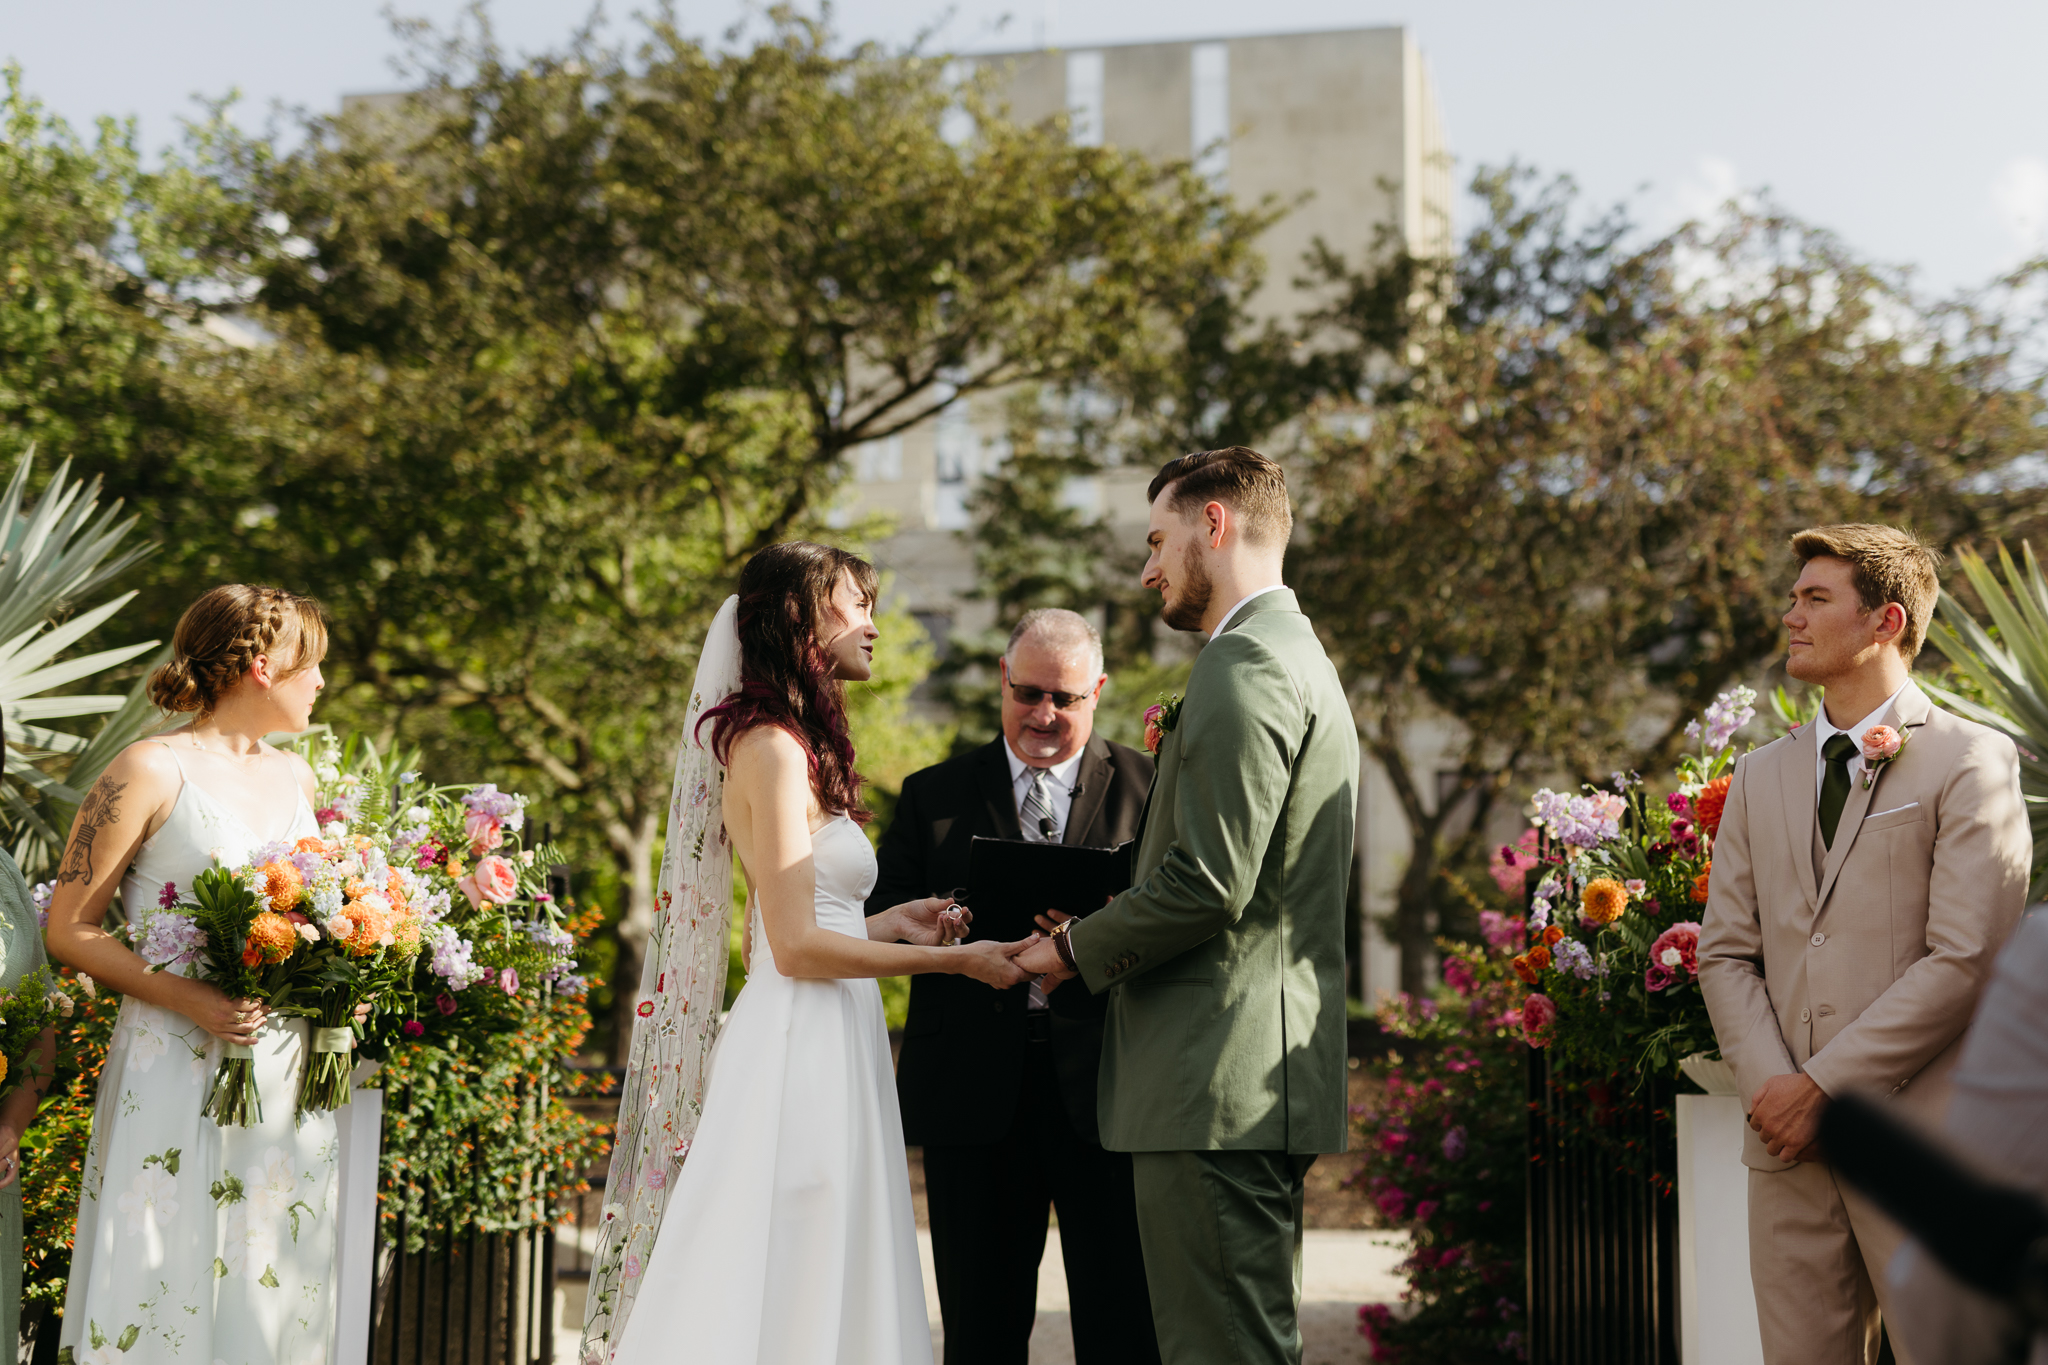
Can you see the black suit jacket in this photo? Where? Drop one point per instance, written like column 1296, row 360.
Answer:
column 963, row 1045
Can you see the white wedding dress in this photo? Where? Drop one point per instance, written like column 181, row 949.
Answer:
column 788, row 1237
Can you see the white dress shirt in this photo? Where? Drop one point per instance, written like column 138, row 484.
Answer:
column 1240, row 607
column 1059, row 787
column 1825, row 729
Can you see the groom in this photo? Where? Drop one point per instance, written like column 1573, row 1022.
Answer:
column 1223, row 1061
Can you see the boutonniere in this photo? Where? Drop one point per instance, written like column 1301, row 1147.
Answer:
column 1881, row 744
column 1160, row 718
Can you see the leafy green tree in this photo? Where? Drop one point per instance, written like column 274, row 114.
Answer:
column 553, row 346
column 1560, row 524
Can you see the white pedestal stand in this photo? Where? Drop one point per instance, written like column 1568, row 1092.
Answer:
column 1716, row 1302
column 361, row 1127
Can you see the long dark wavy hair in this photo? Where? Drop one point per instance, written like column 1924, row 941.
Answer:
column 785, row 675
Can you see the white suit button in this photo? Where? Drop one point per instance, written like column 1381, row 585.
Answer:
column 1819, row 939
column 1803, row 1016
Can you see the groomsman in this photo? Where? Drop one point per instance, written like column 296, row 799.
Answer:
column 1861, row 888
column 999, row 1088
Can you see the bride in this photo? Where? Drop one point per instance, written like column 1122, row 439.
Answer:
column 788, row 1237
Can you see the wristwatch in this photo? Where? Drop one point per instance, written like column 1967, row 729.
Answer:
column 1064, row 946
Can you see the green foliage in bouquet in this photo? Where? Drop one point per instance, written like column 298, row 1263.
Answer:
column 1613, row 952
column 225, row 909
column 1443, row 1151
column 36, row 1003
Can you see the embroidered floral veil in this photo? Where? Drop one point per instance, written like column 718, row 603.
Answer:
column 682, row 987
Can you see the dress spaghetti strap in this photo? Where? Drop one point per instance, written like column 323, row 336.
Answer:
column 182, row 777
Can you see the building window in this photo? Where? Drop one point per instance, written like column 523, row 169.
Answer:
column 1209, row 116
column 1084, row 98
column 879, row 461
column 957, row 455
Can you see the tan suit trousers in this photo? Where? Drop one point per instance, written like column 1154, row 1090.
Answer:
column 1818, row 1251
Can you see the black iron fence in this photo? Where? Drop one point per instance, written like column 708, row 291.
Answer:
column 465, row 1299
column 1603, row 1221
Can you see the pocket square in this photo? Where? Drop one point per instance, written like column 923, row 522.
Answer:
column 1910, row 805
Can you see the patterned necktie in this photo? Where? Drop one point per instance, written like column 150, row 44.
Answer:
column 1036, row 817
column 1039, row 825
column 1834, row 788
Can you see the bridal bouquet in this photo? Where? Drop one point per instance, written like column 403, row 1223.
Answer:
column 313, row 928
column 1613, row 926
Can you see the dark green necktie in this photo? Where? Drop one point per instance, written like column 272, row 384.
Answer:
column 1834, row 788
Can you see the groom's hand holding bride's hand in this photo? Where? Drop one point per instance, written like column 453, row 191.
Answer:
column 996, row 964
column 1041, row 956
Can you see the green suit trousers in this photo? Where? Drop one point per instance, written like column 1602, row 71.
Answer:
column 1221, row 1230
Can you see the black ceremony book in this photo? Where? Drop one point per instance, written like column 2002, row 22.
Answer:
column 1011, row 880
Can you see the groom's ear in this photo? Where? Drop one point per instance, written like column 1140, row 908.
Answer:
column 1219, row 520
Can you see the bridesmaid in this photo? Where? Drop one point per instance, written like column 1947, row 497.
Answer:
column 198, row 1243
column 21, row 952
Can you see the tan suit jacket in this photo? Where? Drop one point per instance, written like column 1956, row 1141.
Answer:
column 1863, row 973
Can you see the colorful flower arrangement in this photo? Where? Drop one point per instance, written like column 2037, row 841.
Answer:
column 1442, row 1153
column 353, row 929
column 1613, row 958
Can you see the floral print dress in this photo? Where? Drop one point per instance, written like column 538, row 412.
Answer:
column 198, row 1243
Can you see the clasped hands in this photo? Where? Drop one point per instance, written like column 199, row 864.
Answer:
column 1786, row 1112
column 938, row 921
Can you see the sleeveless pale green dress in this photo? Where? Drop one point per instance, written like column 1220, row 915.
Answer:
column 201, row 1245
column 21, row 952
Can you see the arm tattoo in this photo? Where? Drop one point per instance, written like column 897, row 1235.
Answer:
column 102, row 807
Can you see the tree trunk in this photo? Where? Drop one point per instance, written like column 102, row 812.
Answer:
column 1412, row 906
column 633, row 852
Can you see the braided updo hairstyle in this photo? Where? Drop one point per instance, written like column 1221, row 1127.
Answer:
column 220, row 635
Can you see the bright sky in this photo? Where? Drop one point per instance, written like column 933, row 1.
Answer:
column 1917, row 132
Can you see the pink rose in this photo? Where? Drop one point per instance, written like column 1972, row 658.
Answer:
column 1154, row 736
column 492, row 881
column 1880, row 742
column 1539, row 1013
column 485, row 831
column 1677, row 950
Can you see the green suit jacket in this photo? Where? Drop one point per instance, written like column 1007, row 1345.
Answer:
column 1225, row 959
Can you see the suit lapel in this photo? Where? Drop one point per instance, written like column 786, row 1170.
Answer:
column 1907, row 713
column 1094, row 777
column 997, row 789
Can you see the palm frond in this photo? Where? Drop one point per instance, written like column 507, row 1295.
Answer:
column 2009, row 671
column 55, row 557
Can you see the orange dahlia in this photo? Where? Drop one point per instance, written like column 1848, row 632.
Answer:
column 1603, row 900
column 271, row 936
column 1707, row 805
column 280, row 884
column 1699, row 884
column 1526, row 970
column 310, row 845
column 1552, row 935
column 1539, row 958
column 368, row 924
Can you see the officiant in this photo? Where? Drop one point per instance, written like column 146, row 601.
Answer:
column 999, row 1087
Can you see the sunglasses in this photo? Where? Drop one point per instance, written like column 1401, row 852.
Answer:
column 1031, row 696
